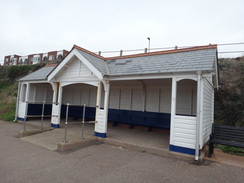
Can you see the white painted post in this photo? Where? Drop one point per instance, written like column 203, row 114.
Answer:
column 106, row 103
column 173, row 108
column 27, row 99
column 102, row 114
column 199, row 83
column 98, row 104
column 57, row 92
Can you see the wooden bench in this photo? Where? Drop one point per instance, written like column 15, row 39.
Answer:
column 226, row 135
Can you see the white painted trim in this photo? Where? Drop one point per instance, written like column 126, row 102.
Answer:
column 173, row 108
column 93, row 83
column 182, row 78
column 183, row 75
column 31, row 82
column 106, row 105
column 199, row 92
column 216, row 72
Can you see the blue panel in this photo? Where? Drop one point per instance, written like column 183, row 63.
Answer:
column 21, row 119
column 36, row 109
column 150, row 119
column 77, row 112
column 182, row 150
column 97, row 134
column 54, row 125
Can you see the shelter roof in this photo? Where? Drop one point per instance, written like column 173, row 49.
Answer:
column 40, row 74
column 200, row 58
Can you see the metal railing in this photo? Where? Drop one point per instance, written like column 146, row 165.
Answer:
column 42, row 113
column 82, row 122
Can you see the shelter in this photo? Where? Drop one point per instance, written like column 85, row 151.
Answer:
column 171, row 89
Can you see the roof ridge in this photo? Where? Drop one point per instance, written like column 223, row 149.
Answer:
column 195, row 48
column 89, row 52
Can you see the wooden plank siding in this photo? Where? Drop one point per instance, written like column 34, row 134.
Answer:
column 207, row 111
column 184, row 131
column 41, row 92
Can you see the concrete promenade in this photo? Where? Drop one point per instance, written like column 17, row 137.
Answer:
column 22, row 161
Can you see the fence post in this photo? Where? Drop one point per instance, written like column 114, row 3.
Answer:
column 83, row 121
column 66, row 123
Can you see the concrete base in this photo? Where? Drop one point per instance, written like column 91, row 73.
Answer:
column 150, row 150
column 71, row 145
column 25, row 133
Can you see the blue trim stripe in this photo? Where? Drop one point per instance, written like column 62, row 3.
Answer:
column 97, row 134
column 182, row 150
column 21, row 119
column 55, row 125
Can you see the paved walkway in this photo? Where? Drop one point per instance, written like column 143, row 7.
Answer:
column 118, row 135
column 24, row 162
column 225, row 158
column 141, row 139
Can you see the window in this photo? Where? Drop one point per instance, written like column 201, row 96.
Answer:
column 44, row 60
column 186, row 97
column 60, row 57
column 51, row 57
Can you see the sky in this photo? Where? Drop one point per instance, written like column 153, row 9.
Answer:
column 30, row 26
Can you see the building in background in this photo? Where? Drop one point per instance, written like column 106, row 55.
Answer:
column 49, row 57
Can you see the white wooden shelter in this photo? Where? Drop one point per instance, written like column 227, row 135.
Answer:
column 171, row 89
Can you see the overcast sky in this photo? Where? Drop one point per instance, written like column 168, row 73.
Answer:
column 30, row 26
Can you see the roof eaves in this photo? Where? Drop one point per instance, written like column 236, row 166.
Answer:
column 167, row 72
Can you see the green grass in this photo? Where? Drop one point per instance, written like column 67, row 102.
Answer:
column 9, row 76
column 8, row 95
column 232, row 150
column 7, row 112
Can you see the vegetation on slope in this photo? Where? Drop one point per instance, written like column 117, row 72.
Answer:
column 229, row 99
column 9, row 87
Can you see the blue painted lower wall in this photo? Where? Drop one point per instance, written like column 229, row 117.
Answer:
column 55, row 125
column 36, row 109
column 150, row 119
column 97, row 134
column 21, row 119
column 143, row 118
column 182, row 150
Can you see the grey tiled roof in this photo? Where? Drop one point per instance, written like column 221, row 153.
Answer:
column 96, row 62
column 185, row 61
column 198, row 60
column 40, row 74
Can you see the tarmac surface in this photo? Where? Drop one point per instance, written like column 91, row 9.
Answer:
column 22, row 161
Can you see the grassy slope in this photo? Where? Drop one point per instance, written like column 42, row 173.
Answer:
column 9, row 76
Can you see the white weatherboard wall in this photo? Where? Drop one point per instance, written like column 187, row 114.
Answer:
column 40, row 92
column 207, row 111
column 184, row 131
column 183, row 125
column 75, row 71
column 146, row 95
column 80, row 94
column 22, row 99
